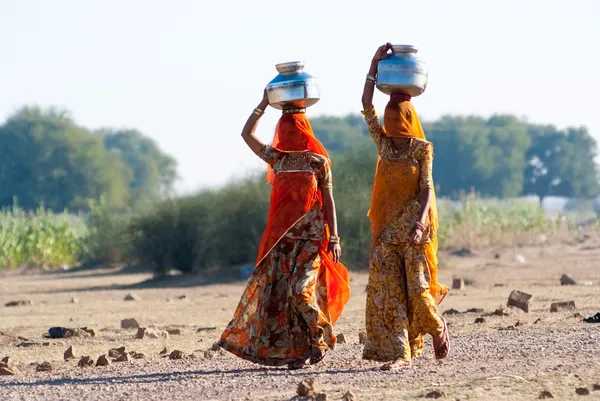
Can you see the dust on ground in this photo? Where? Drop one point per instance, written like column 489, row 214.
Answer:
column 513, row 357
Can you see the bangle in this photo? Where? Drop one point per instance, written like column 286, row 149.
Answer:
column 334, row 240
column 371, row 78
column 258, row 112
column 420, row 226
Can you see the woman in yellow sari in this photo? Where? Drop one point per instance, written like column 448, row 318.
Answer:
column 403, row 289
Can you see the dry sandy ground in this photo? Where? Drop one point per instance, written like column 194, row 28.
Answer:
column 496, row 360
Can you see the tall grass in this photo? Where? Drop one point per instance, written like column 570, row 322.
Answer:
column 40, row 238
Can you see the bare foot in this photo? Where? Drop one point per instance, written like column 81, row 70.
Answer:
column 397, row 365
column 441, row 343
column 317, row 355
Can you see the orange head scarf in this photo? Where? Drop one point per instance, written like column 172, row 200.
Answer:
column 295, row 134
column 292, row 196
column 401, row 120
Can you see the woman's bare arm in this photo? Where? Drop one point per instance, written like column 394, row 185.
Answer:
column 369, row 89
column 330, row 213
column 250, row 127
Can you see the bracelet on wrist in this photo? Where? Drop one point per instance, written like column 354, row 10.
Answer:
column 371, row 78
column 334, row 239
column 258, row 112
column 420, row 226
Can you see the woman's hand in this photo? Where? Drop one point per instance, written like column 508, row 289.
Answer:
column 265, row 101
column 336, row 251
column 416, row 235
column 382, row 52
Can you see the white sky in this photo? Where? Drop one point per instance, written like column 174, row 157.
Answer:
column 189, row 72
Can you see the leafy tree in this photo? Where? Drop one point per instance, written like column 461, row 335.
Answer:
column 154, row 172
column 46, row 158
column 561, row 163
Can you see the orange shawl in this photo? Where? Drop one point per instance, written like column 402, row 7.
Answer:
column 292, row 196
column 401, row 120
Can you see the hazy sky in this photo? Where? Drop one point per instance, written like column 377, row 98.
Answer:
column 189, row 72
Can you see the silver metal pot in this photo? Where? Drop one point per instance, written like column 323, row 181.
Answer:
column 292, row 87
column 402, row 72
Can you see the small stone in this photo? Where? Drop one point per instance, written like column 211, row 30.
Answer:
column 164, row 351
column 434, row 394
column 182, row 297
column 144, row 332
column 6, row 360
column 44, row 367
column 138, row 355
column 596, row 387
column 208, row 355
column 451, row 312
column 116, row 352
column 349, row 396
column 122, row 358
column 176, row 355
column 458, row 284
column 566, row 280
column 85, row 362
column 499, row 285
column 475, row 310
column 6, row 370
column 306, row 388
column 129, row 324
column 74, row 300
column 18, row 303
column 520, row 259
column 174, row 332
column 520, row 300
column 132, row 297
column 562, row 306
column 479, row 320
column 215, row 347
column 463, row 252
column 201, row 329
column 46, row 344
column 582, row 391
column 362, row 337
column 69, row 354
column 502, row 312
column 545, row 395
column 91, row 332
column 537, row 320
column 341, row 338
column 321, row 397
column 102, row 361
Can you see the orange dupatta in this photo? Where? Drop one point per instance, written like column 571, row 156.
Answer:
column 292, row 196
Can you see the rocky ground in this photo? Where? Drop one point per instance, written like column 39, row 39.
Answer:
column 508, row 355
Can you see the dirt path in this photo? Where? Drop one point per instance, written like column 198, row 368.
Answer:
column 512, row 357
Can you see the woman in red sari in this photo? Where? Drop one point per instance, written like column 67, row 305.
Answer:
column 299, row 288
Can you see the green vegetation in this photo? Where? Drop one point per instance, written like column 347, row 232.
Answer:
column 119, row 183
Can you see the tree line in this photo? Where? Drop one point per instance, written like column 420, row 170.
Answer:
column 500, row 156
column 46, row 158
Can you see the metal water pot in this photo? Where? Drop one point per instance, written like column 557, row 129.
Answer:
column 402, row 72
column 292, row 87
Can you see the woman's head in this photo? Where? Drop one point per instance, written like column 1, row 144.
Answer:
column 400, row 118
column 294, row 134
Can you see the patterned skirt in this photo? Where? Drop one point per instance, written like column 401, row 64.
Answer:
column 283, row 311
column 400, row 308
